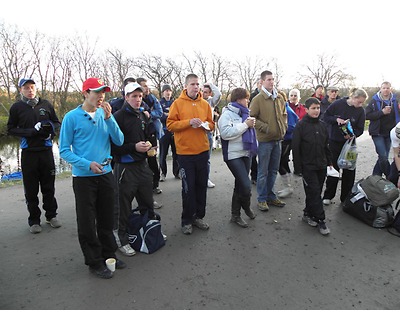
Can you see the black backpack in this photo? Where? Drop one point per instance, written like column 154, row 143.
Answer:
column 360, row 207
column 394, row 228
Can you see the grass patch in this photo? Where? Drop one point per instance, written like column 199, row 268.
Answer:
column 59, row 176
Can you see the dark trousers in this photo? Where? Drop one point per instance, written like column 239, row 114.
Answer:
column 284, row 163
column 254, row 168
column 94, row 201
column 240, row 168
column 166, row 141
column 194, row 173
column 313, row 182
column 348, row 176
column 38, row 169
column 134, row 180
column 153, row 165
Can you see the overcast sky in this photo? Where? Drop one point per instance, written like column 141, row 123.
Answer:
column 364, row 36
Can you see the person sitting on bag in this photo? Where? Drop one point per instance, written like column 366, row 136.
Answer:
column 311, row 156
column 337, row 115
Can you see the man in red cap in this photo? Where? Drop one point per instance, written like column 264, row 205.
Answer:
column 34, row 120
column 85, row 137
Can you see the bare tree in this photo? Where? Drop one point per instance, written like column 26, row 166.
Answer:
column 154, row 69
column 248, row 71
column 326, row 72
column 63, row 68
column 83, row 53
column 118, row 68
column 15, row 60
column 177, row 76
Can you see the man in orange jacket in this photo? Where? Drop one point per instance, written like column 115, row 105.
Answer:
column 190, row 119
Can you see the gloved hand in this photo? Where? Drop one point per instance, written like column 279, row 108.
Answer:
column 45, row 130
column 38, row 126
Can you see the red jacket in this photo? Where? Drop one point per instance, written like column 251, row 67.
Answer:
column 299, row 109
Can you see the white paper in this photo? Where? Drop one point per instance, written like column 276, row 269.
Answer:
column 205, row 126
column 332, row 172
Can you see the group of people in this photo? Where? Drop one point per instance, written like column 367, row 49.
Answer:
column 112, row 148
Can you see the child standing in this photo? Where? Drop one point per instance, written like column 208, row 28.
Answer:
column 311, row 156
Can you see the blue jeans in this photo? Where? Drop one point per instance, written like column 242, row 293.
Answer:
column 382, row 147
column 240, row 168
column 269, row 156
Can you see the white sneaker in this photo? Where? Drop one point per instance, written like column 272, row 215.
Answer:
column 210, row 184
column 127, row 250
column 162, row 177
column 326, row 202
column 157, row 205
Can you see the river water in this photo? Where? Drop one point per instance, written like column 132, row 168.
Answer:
column 10, row 155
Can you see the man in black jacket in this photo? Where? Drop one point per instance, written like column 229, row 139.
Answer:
column 34, row 120
column 132, row 173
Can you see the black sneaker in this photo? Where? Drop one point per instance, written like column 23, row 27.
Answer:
column 119, row 264
column 157, row 190
column 323, row 229
column 101, row 272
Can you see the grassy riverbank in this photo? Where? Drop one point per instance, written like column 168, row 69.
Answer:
column 6, row 184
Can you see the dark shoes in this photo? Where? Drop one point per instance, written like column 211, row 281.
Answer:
column 239, row 221
column 157, row 190
column 119, row 264
column 101, row 272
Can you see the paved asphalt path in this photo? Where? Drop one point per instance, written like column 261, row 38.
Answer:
column 277, row 263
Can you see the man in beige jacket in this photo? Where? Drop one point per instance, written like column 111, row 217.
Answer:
column 268, row 107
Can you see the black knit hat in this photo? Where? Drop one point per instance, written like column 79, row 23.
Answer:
column 165, row 87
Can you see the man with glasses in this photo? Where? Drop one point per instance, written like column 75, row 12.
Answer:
column 331, row 96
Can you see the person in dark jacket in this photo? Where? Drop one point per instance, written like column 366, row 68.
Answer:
column 339, row 113
column 383, row 113
column 311, row 157
column 116, row 103
column 151, row 104
column 131, row 170
column 34, row 120
column 168, row 138
column 331, row 96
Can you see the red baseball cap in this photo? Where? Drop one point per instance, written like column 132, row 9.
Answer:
column 95, row 84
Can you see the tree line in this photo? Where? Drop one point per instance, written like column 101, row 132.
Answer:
column 59, row 65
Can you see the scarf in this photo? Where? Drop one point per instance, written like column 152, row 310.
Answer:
column 32, row 102
column 249, row 136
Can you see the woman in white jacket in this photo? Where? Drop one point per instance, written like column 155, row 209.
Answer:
column 239, row 144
